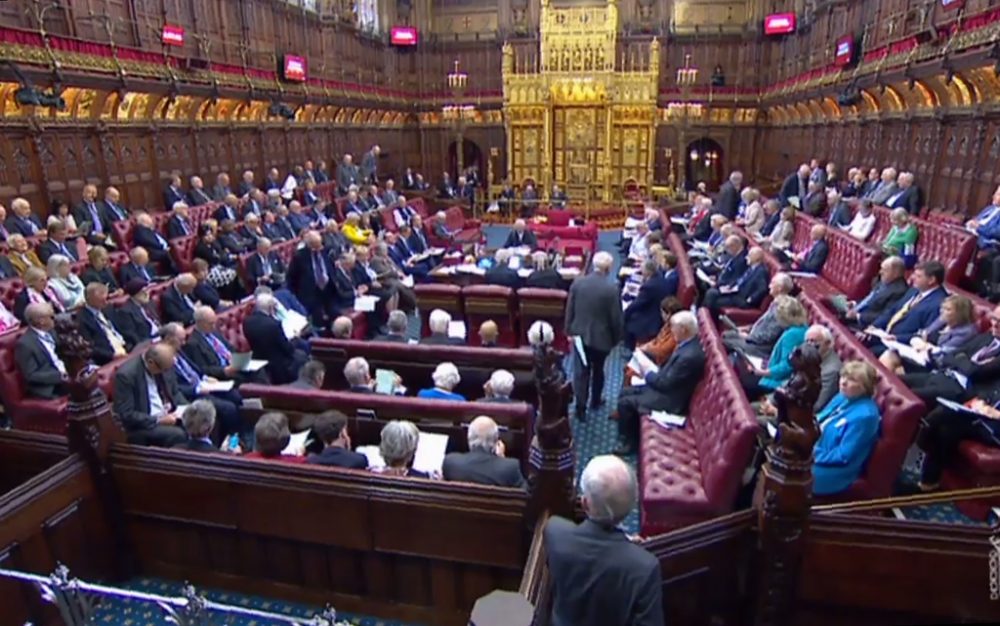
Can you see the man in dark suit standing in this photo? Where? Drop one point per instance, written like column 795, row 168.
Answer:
column 347, row 175
column 97, row 326
column 42, row 369
column 594, row 322
column 520, row 236
column 796, row 185
column 89, row 211
column 669, row 389
column 369, row 166
column 599, row 577
column 484, row 463
column 749, row 289
column 310, row 278
column 146, row 398
column 728, row 201
column 173, row 193
column 501, row 273
column 55, row 243
column 268, row 342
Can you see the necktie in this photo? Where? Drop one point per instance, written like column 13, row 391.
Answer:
column 186, row 371
column 901, row 313
column 265, row 264
column 161, row 241
column 95, row 219
column 220, row 350
column 114, row 209
column 63, row 251
column 50, row 342
column 31, row 226
column 319, row 271
column 142, row 270
column 114, row 338
column 987, row 352
column 3, row 232
column 164, row 391
column 149, row 320
column 184, row 226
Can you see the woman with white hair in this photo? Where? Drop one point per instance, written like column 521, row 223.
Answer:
column 398, row 447
column 64, row 283
column 445, row 379
column 901, row 238
column 499, row 387
column 753, row 214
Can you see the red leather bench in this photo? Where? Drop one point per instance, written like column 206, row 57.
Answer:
column 548, row 305
column 954, row 247
column 690, row 474
column 415, row 363
column 465, row 230
column 182, row 251
column 368, row 413
column 900, row 408
column 491, row 302
column 432, row 296
column 8, row 291
column 849, row 269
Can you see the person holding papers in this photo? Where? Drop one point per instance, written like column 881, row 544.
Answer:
column 543, row 276
column 193, row 383
column 520, row 236
column 439, row 322
column 659, row 348
column 266, row 267
column 446, row 378
column 965, row 373
column 207, row 349
column 269, row 343
column 199, row 422
column 668, row 388
column 147, row 398
column 795, row 187
column 749, row 289
column 398, row 447
column 311, row 277
column 849, row 430
column 954, row 328
column 330, row 428
column 759, row 379
column 916, row 310
column 354, row 231
column 729, row 267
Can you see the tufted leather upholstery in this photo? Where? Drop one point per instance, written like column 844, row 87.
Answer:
column 981, row 308
column 543, row 304
column 388, row 220
column 690, row 474
column 687, row 289
column 849, row 269
column 432, row 296
column 954, row 247
column 230, row 324
column 122, row 233
column 491, row 302
column 419, row 205
column 901, row 410
column 8, row 291
column 182, row 251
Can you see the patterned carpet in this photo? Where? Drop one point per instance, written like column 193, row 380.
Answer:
column 138, row 613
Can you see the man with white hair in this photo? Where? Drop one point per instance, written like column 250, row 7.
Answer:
column 830, row 364
column 178, row 302
column 761, row 337
column 520, row 236
column 90, row 211
column 43, row 371
column 795, row 186
column 342, row 328
column 886, row 187
column 594, row 322
column 358, row 375
column 145, row 235
column 396, row 327
column 599, row 577
column 907, row 195
column 668, row 389
column 501, row 272
column 484, row 463
column 21, row 220
column 197, row 196
column 438, row 322
column 499, row 387
column 268, row 342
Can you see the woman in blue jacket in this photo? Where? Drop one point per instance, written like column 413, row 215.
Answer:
column 791, row 316
column 445, row 378
column 849, row 430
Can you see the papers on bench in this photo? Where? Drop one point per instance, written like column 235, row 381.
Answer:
column 756, row 361
column 524, row 272
column 668, row 420
column 456, row 330
column 365, row 304
column 429, row 457
column 218, row 385
column 795, row 274
column 293, row 323
column 470, row 268
column 297, row 443
column 907, row 352
column 705, row 277
column 700, row 245
column 642, row 363
column 242, row 362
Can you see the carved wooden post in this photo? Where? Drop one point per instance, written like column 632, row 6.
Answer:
column 551, row 459
column 784, row 490
column 92, row 430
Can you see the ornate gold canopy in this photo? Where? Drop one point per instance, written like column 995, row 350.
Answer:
column 582, row 116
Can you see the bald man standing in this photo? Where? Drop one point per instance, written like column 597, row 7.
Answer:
column 599, row 577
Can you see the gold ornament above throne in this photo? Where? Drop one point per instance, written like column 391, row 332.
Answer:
column 572, row 118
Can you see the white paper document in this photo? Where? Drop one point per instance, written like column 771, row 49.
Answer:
column 407, row 280
column 255, row 364
column 578, row 344
column 524, row 273
column 456, row 330
column 795, row 274
column 569, row 272
column 642, row 363
column 679, row 220
column 430, row 452
column 365, row 304
column 668, row 420
column 756, row 361
column 705, row 277
column 374, row 456
column 219, row 385
column 637, row 381
column 297, row 443
column 470, row 268
column 906, row 351
column 293, row 323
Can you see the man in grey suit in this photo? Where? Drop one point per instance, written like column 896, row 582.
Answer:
column 885, row 188
column 830, row 364
column 311, row 376
column 599, row 577
column 594, row 314
column 484, row 463
column 764, row 333
column 147, row 398
column 668, row 389
column 35, row 354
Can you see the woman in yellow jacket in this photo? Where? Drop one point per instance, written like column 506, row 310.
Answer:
column 354, row 231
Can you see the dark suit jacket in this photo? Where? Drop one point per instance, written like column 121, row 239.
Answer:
column 146, row 237
column 527, row 239
column 92, row 331
column 884, row 296
column 733, row 269
column 104, row 276
column 728, row 202
column 441, row 340
column 642, row 317
column 225, row 212
column 234, row 243
column 131, row 271
column 255, row 267
column 671, row 388
column 982, row 376
column 909, row 200
column 302, row 281
column 200, row 353
column 347, row 175
column 198, row 197
column 840, row 215
column 600, row 578
column 21, row 303
column 791, row 187
column 919, row 316
column 175, row 309
column 545, row 279
column 219, row 193
column 7, row 269
column 207, row 294
column 417, row 241
column 484, row 468
column 594, row 312
column 815, row 203
column 171, row 195
column 15, row 224
column 503, row 275
column 392, row 338
column 81, row 214
column 132, row 325
column 755, row 285
column 338, row 457
column 111, row 213
column 41, row 378
column 196, row 445
column 48, row 247
column 131, row 401
column 176, row 227
column 267, row 341
column 245, row 188
column 816, row 258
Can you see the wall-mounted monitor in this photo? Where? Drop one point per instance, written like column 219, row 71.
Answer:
column 779, row 24
column 843, row 53
column 173, row 35
column 403, row 36
column 293, row 68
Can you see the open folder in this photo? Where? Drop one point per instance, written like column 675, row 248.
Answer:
column 242, row 362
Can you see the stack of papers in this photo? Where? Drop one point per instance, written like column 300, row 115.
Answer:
column 642, row 363
column 218, row 385
column 569, row 272
column 668, row 420
column 456, row 330
column 297, row 443
column 293, row 323
column 907, row 352
column 524, row 273
column 470, row 268
column 756, row 361
column 679, row 220
column 365, row 304
column 705, row 277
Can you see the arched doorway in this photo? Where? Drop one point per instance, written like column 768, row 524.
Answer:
column 703, row 162
column 471, row 156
